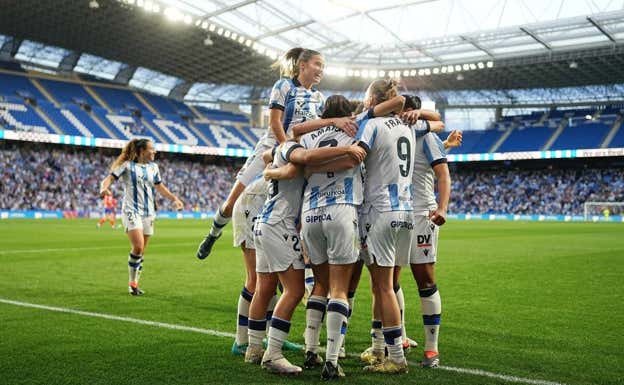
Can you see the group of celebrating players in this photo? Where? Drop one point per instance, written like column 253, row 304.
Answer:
column 333, row 186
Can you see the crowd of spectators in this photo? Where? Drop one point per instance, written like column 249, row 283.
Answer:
column 547, row 192
column 40, row 177
column 33, row 178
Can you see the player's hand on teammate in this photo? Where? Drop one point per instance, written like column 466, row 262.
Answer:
column 105, row 192
column 454, row 139
column 356, row 152
column 438, row 216
column 346, row 124
column 410, row 117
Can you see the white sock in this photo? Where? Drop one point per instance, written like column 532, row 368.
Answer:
column 244, row 300
column 219, row 221
column 309, row 278
column 398, row 292
column 394, row 342
column 134, row 262
column 431, row 306
column 315, row 312
column 337, row 316
column 140, row 270
column 278, row 332
column 269, row 313
column 256, row 331
column 379, row 345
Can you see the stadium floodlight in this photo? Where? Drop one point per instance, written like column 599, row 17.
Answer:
column 406, row 73
column 234, row 36
column 450, row 69
column 436, row 71
column 204, row 25
column 212, row 27
column 139, row 3
column 173, row 14
column 227, row 33
column 220, row 31
column 473, row 66
column 364, row 73
column 382, row 73
column 373, row 73
column 241, row 39
column 342, row 72
column 489, row 64
column 155, row 8
column 427, row 71
column 421, row 72
column 480, row 65
column 413, row 72
column 188, row 19
column 248, row 42
column 466, row 67
column 350, row 73
column 356, row 73
column 458, row 68
column 443, row 70
column 93, row 4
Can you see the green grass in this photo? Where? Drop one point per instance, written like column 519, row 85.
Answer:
column 534, row 300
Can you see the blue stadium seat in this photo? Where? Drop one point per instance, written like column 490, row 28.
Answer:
column 25, row 117
column 526, row 139
column 582, row 135
column 618, row 139
column 66, row 92
column 14, row 85
column 119, row 100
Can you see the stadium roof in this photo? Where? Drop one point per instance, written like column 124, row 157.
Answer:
column 169, row 46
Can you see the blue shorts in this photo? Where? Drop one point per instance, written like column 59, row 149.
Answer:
column 108, row 211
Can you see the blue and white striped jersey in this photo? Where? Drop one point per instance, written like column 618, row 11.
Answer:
column 139, row 180
column 389, row 163
column 298, row 103
column 284, row 199
column 429, row 151
column 331, row 188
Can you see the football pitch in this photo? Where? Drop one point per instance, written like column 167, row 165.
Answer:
column 536, row 303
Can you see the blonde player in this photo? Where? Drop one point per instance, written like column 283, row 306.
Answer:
column 293, row 100
column 141, row 178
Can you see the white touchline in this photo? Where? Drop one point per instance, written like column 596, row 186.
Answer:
column 70, row 249
column 476, row 372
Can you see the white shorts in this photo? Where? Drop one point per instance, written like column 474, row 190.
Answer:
column 246, row 210
column 424, row 241
column 133, row 221
column 254, row 164
column 388, row 236
column 331, row 234
column 277, row 247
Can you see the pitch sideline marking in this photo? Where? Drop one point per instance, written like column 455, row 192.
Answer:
column 476, row 372
column 28, row 251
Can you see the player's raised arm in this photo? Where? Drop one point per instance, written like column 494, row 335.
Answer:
column 453, row 140
column 346, row 124
column 289, row 171
column 300, row 155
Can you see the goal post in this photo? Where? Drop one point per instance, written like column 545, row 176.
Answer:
column 602, row 209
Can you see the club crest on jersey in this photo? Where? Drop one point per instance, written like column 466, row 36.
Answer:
column 426, row 252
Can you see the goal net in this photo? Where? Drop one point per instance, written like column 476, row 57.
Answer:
column 597, row 210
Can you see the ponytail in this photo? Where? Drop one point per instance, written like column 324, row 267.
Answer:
column 288, row 64
column 383, row 89
column 130, row 152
